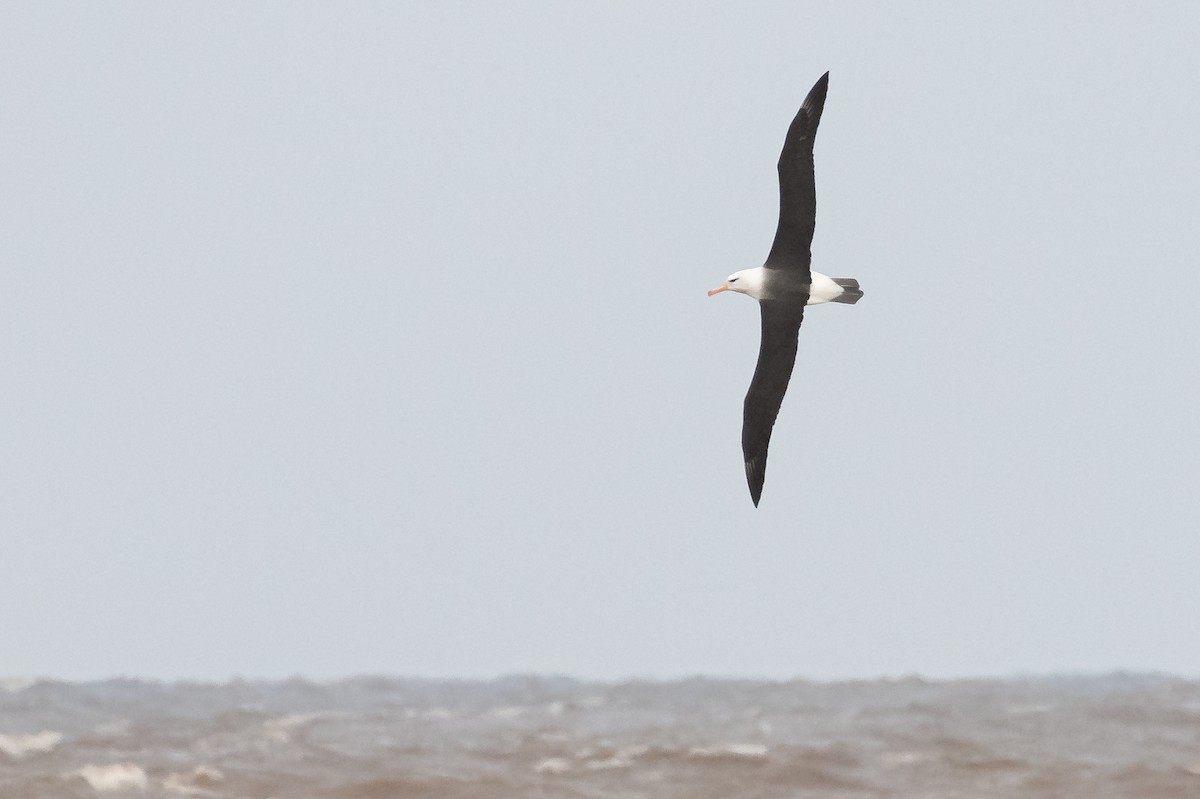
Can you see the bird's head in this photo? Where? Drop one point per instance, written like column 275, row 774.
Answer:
column 747, row 281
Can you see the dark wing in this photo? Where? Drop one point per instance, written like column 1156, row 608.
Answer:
column 776, row 356
column 797, row 186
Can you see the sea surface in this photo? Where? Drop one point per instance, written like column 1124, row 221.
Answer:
column 1117, row 735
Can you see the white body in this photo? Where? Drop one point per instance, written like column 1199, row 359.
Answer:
column 752, row 282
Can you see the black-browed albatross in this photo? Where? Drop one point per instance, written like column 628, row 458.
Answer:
column 784, row 285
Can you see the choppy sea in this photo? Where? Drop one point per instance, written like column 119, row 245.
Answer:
column 1120, row 735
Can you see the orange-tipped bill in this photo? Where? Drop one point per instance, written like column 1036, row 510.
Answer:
column 718, row 289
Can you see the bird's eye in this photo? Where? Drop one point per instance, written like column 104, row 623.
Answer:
column 733, row 280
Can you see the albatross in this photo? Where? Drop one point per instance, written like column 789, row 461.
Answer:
column 784, row 285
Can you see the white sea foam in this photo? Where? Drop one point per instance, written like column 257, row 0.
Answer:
column 746, row 751
column 114, row 777
column 280, row 730
column 19, row 746
column 553, row 765
column 115, row 728
column 615, row 761
column 623, row 757
column 904, row 758
column 198, row 782
column 514, row 711
column 432, row 714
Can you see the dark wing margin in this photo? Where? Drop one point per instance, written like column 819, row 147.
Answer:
column 776, row 356
column 798, row 186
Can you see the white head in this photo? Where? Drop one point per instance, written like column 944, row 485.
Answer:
column 747, row 281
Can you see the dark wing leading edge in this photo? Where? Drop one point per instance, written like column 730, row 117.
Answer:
column 797, row 186
column 776, row 356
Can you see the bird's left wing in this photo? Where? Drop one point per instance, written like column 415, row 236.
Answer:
column 776, row 356
column 797, row 186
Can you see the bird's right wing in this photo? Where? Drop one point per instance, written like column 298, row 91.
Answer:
column 776, row 357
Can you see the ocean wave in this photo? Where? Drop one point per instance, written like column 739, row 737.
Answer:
column 19, row 746
column 200, row 781
column 114, row 777
column 281, row 730
column 520, row 737
column 734, row 751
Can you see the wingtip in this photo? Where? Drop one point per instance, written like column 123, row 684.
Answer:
column 754, row 480
column 814, row 102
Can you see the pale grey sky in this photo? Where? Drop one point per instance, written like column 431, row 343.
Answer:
column 373, row 337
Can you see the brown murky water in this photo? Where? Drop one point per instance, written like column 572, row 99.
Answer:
column 376, row 738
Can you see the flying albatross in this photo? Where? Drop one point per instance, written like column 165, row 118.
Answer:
column 784, row 285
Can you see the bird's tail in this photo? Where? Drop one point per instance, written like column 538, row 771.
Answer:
column 851, row 293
